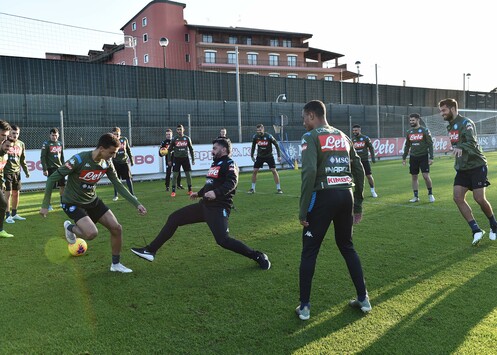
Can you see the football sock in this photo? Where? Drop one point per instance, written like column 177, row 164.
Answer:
column 304, row 304
column 415, row 193
column 474, row 226
column 278, row 186
column 253, row 187
column 7, row 214
column 116, row 259
column 189, row 187
column 493, row 223
column 430, row 192
column 14, row 212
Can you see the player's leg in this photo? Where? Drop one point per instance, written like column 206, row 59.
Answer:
column 187, row 168
column 257, row 165
column 414, row 171
column 176, row 166
column 109, row 221
column 3, row 207
column 276, row 177
column 168, row 176
column 16, row 194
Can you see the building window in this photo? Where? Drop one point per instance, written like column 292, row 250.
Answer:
column 207, row 38
column 145, row 37
column 144, row 22
column 328, row 78
column 145, row 58
column 287, row 43
column 210, row 57
column 248, row 41
column 231, row 58
column 292, row 60
column 233, row 40
column 252, row 58
column 187, row 58
column 133, row 26
column 252, row 73
column 273, row 60
column 292, row 76
column 312, row 77
column 187, row 37
column 135, row 41
column 274, row 75
column 274, row 42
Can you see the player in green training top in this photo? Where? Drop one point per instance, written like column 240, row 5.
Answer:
column 51, row 158
column 5, row 145
column 264, row 143
column 122, row 160
column 420, row 146
column 80, row 202
column 330, row 167
column 178, row 157
column 363, row 147
column 12, row 175
column 471, row 168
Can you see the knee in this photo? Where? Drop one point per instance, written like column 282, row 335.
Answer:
column 116, row 229
column 92, row 234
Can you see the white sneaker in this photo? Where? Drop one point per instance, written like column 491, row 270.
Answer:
column 432, row 198
column 115, row 198
column 18, row 218
column 9, row 220
column 492, row 235
column 374, row 194
column 477, row 237
column 120, row 268
column 70, row 236
column 414, row 199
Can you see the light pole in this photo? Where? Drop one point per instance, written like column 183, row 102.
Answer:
column 357, row 63
column 282, row 97
column 163, row 43
column 464, row 77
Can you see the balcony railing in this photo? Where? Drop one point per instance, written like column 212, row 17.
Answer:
column 257, row 63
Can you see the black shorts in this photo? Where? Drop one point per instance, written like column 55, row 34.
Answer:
column 367, row 167
column 472, row 179
column 61, row 182
column 12, row 181
column 259, row 162
column 181, row 162
column 123, row 171
column 418, row 163
column 94, row 210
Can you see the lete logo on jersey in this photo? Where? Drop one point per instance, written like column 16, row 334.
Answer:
column 333, row 142
column 55, row 149
column 213, row 172
column 91, row 176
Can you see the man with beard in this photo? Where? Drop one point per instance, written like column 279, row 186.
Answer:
column 420, row 144
column 471, row 168
column 363, row 147
column 214, row 209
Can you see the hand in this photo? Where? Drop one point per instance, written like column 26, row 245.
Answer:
column 457, row 152
column 27, row 175
column 193, row 162
column 253, row 159
column 373, row 160
column 170, row 163
column 132, row 163
column 141, row 210
column 403, row 162
column 194, row 196
column 279, row 159
column 45, row 173
column 430, row 161
column 44, row 212
column 357, row 218
column 304, row 223
column 210, row 195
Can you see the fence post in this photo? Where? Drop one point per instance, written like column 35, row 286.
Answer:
column 129, row 129
column 62, row 128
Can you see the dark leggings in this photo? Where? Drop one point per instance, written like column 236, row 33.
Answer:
column 3, row 208
column 215, row 217
column 329, row 205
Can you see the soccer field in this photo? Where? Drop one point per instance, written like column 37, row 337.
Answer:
column 431, row 291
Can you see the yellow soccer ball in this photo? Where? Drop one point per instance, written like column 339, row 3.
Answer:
column 78, row 248
column 163, row 152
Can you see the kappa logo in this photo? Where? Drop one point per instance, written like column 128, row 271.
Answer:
column 91, row 176
column 213, row 172
column 333, row 142
column 308, row 234
column 454, row 136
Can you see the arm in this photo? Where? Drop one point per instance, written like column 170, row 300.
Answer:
column 429, row 141
column 111, row 174
column 128, row 151
column 62, row 171
column 407, row 146
column 309, row 172
column 190, row 148
column 43, row 157
column 371, row 149
column 358, row 175
column 252, row 150
column 231, row 181
column 22, row 161
column 277, row 146
column 171, row 150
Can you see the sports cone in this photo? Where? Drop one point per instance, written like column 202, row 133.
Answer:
column 296, row 165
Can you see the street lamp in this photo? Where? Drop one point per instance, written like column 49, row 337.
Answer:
column 464, row 77
column 282, row 97
column 358, row 71
column 163, row 43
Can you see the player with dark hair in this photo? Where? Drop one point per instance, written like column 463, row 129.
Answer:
column 163, row 152
column 420, row 146
column 5, row 146
column 51, row 158
column 214, row 209
column 122, row 160
column 471, row 168
column 223, row 133
column 12, row 175
column 363, row 147
column 178, row 157
column 80, row 201
column 330, row 167
column 264, row 143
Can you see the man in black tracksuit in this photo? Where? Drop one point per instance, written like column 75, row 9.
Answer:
column 214, row 209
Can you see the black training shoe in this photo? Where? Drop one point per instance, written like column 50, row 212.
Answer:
column 143, row 253
column 263, row 261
